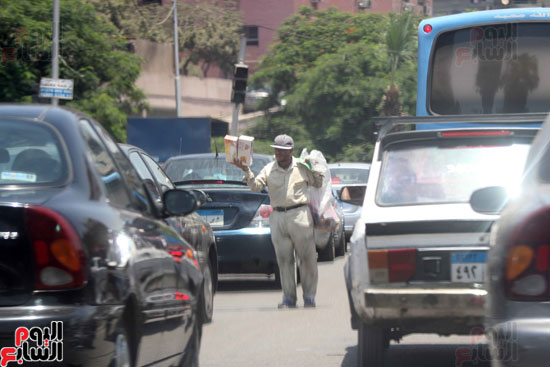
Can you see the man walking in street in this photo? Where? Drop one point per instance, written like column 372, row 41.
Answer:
column 291, row 221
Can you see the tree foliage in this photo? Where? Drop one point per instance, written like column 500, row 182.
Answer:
column 398, row 41
column 333, row 68
column 208, row 31
column 91, row 52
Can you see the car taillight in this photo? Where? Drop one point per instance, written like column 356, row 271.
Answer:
column 180, row 252
column 58, row 253
column 261, row 218
column 527, row 275
column 391, row 266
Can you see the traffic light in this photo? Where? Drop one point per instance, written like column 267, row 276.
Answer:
column 240, row 78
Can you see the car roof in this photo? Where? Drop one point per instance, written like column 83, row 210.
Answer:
column 41, row 112
column 349, row 165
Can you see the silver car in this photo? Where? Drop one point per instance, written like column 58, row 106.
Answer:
column 517, row 322
column 355, row 177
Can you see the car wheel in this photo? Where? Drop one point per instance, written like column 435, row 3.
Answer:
column 122, row 357
column 207, row 297
column 192, row 350
column 341, row 249
column 370, row 346
column 328, row 253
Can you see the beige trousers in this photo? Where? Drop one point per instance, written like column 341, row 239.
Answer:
column 292, row 232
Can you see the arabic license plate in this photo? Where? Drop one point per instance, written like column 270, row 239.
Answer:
column 213, row 217
column 468, row 266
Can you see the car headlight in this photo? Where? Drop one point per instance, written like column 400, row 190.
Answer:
column 261, row 218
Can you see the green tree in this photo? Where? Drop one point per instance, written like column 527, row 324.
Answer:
column 92, row 52
column 398, row 40
column 334, row 69
column 307, row 35
column 208, row 32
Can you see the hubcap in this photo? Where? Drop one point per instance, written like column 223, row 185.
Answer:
column 208, row 292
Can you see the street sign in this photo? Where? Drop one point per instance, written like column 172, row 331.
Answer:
column 58, row 88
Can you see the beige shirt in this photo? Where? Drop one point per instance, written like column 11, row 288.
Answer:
column 287, row 187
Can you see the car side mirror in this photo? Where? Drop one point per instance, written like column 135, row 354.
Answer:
column 353, row 194
column 179, row 202
column 489, row 200
column 202, row 197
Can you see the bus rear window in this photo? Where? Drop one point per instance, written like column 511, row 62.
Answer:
column 491, row 69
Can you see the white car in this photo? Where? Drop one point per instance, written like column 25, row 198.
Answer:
column 418, row 252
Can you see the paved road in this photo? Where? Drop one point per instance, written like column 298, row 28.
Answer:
column 249, row 331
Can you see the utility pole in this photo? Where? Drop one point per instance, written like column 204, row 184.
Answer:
column 176, row 60
column 235, row 121
column 55, row 46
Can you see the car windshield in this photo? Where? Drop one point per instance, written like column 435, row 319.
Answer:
column 348, row 176
column 209, row 168
column 443, row 174
column 30, row 154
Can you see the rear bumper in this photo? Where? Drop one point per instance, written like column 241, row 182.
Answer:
column 246, row 250
column 519, row 342
column 88, row 331
column 441, row 310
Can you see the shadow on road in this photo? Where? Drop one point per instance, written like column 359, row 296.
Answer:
column 428, row 355
column 244, row 285
column 350, row 359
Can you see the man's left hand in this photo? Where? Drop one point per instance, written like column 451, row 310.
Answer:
column 239, row 164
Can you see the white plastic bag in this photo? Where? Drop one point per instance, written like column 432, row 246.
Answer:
column 320, row 198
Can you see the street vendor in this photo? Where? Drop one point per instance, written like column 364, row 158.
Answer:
column 291, row 221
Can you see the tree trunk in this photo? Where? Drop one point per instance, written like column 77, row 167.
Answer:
column 391, row 105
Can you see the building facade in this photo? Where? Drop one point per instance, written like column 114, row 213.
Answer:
column 261, row 18
column 447, row 7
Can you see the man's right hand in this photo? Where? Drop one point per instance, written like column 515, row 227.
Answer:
column 239, row 164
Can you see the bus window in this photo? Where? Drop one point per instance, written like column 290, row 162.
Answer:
column 485, row 62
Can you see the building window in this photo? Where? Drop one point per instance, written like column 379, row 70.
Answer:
column 251, row 34
column 364, row 4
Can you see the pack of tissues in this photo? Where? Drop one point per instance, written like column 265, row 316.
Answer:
column 241, row 148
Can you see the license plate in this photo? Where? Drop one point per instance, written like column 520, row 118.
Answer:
column 468, row 266
column 213, row 217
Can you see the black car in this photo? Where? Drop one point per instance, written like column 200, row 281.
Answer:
column 192, row 227
column 85, row 275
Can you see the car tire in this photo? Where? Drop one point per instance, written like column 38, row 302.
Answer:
column 341, row 249
column 370, row 343
column 328, row 253
column 206, row 305
column 191, row 353
column 122, row 356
